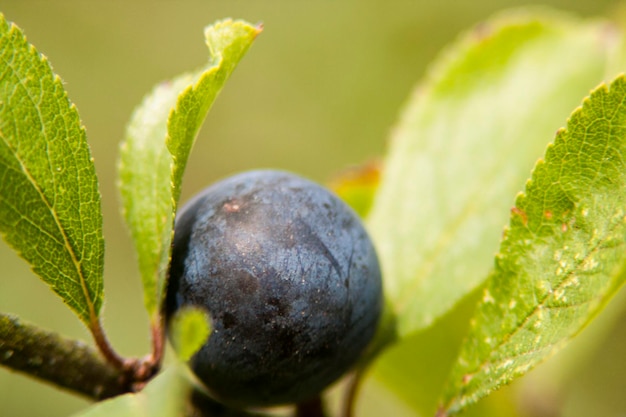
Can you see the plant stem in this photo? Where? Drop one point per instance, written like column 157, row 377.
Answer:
column 105, row 347
column 311, row 408
column 138, row 371
column 158, row 339
column 200, row 405
column 441, row 413
column 142, row 370
column 352, row 390
column 67, row 363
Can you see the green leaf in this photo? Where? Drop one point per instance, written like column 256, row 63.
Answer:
column 159, row 139
column 466, row 140
column 165, row 396
column 415, row 369
column 189, row 330
column 562, row 258
column 49, row 200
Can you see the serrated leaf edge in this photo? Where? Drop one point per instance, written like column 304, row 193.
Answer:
column 459, row 402
column 93, row 307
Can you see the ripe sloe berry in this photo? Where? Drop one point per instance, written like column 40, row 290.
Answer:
column 290, row 280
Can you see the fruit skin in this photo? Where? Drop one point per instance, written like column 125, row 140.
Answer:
column 291, row 282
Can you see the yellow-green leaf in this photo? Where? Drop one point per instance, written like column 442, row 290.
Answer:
column 159, row 138
column 189, row 330
column 357, row 186
column 466, row 140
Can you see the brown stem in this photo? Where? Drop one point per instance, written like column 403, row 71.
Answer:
column 106, row 349
column 311, row 408
column 441, row 413
column 64, row 362
column 77, row 367
column 200, row 405
column 158, row 341
column 352, row 390
column 137, row 370
column 142, row 370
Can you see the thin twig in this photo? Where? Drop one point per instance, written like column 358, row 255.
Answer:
column 441, row 413
column 106, row 349
column 143, row 370
column 352, row 390
column 67, row 363
column 158, row 340
column 311, row 408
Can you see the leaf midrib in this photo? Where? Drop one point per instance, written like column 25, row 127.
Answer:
column 92, row 316
column 540, row 306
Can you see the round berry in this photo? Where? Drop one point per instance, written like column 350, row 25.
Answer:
column 290, row 280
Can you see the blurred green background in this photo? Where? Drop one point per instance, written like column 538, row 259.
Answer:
column 319, row 91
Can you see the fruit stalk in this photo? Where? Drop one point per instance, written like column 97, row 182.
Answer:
column 311, row 408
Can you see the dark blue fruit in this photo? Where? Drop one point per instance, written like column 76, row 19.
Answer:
column 291, row 282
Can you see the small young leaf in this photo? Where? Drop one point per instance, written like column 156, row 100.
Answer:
column 165, row 396
column 159, row 138
column 465, row 142
column 562, row 258
column 189, row 330
column 49, row 200
column 357, row 186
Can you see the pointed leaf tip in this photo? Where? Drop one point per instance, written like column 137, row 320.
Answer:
column 158, row 142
